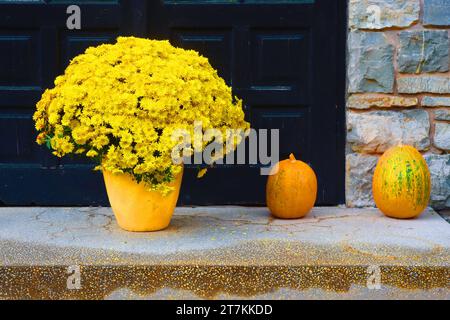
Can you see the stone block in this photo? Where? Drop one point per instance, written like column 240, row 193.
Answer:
column 429, row 101
column 430, row 84
column 380, row 101
column 423, row 51
column 358, row 180
column 377, row 131
column 442, row 114
column 371, row 67
column 442, row 136
column 436, row 12
column 380, row 14
column 439, row 166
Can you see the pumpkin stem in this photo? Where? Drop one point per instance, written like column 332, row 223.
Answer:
column 292, row 157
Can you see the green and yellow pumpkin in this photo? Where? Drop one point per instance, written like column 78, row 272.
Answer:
column 401, row 183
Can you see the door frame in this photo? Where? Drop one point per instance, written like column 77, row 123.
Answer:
column 341, row 93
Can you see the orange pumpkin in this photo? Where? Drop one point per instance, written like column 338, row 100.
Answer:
column 401, row 183
column 291, row 189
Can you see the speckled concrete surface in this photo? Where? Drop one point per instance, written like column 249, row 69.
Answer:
column 223, row 236
column 224, row 252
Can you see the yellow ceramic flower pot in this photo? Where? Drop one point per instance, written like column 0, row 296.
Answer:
column 138, row 209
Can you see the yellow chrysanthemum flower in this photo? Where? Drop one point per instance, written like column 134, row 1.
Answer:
column 120, row 104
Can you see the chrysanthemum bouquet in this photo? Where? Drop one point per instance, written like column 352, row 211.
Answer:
column 120, row 104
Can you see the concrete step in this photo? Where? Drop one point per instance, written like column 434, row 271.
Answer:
column 223, row 252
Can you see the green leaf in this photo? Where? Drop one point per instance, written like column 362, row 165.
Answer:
column 48, row 142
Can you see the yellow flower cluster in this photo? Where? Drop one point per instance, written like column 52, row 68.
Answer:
column 119, row 104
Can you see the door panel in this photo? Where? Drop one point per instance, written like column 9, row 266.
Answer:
column 214, row 44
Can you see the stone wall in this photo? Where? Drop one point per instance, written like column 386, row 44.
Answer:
column 398, row 90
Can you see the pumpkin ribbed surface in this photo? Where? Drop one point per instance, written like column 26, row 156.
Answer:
column 292, row 189
column 401, row 183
